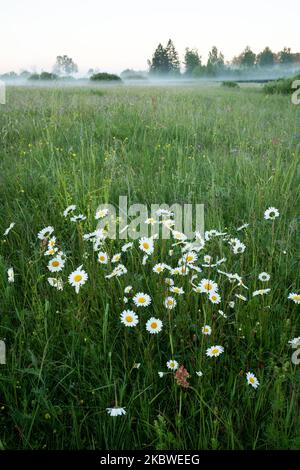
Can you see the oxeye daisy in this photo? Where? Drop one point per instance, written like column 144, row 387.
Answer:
column 6, row 231
column 295, row 342
column 215, row 298
column 183, row 270
column 45, row 232
column 214, row 351
column 10, row 275
column 57, row 283
column 169, row 281
column 69, row 209
column 170, row 303
column 239, row 248
column 146, row 245
column 207, row 259
column 177, row 290
column 206, row 330
column 190, row 257
column 79, row 217
column 101, row 213
column 241, row 297
column 154, row 325
column 206, row 285
column 129, row 318
column 127, row 247
column 271, row 213
column 142, row 300
column 158, row 268
column 199, row 373
column 116, row 411
column 179, row 235
column 252, row 380
column 261, row 292
column 127, row 289
column 102, row 257
column 172, row 364
column 197, row 289
column 56, row 264
column 294, row 297
column 116, row 258
column 144, row 260
column 264, row 277
column 77, row 278
column 51, row 251
column 160, row 374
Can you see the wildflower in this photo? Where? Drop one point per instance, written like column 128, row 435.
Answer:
column 127, row 289
column 170, row 303
column 78, row 217
column 102, row 257
column 239, row 248
column 190, row 257
column 158, row 268
column 207, row 259
column 220, row 312
column 101, row 213
column 136, row 365
column 241, row 297
column 57, row 283
column 142, row 300
column 69, row 209
column 199, row 373
column 206, row 330
column 6, row 232
column 179, row 235
column 160, row 374
column 271, row 213
column 169, row 281
column 264, row 277
column 116, row 411
column 127, row 246
column 252, row 380
column 231, row 304
column 116, row 258
column 154, row 325
column 146, row 245
column 214, row 351
column 181, row 377
column 177, row 290
column 294, row 297
column 150, row 221
column 215, row 298
column 45, row 233
column 51, row 251
column 10, row 275
column 172, row 364
column 145, row 259
column 129, row 318
column 261, row 292
column 295, row 342
column 242, row 227
column 164, row 212
column 78, row 278
column 56, row 264
column 207, row 286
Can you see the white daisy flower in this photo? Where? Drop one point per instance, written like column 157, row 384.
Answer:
column 116, row 411
column 261, row 292
column 220, row 312
column 69, row 209
column 214, row 351
column 183, row 270
column 295, row 342
column 252, row 380
column 116, row 258
column 57, row 283
column 101, row 213
column 51, row 251
column 242, row 227
column 206, row 330
column 78, row 278
column 158, row 268
column 102, row 257
column 294, row 297
column 179, row 236
column 129, row 318
column 207, row 286
column 10, row 275
column 172, row 364
column 177, row 290
column 6, row 232
column 56, row 264
column 264, row 277
column 164, row 212
column 241, row 297
column 127, row 247
column 170, row 303
column 199, row 373
column 144, row 260
column 207, row 259
column 271, row 213
column 146, row 245
column 127, row 289
column 190, row 257
column 231, row 304
column 142, row 300
column 169, row 281
column 160, row 374
column 215, row 298
column 154, row 325
column 45, row 233
column 80, row 217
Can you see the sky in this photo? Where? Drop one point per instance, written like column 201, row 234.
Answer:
column 113, row 35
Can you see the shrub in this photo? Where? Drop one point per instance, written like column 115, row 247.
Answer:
column 107, row 77
column 282, row 86
column 230, row 84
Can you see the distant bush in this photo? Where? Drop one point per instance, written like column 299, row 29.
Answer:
column 281, row 87
column 43, row 76
column 230, row 84
column 107, row 77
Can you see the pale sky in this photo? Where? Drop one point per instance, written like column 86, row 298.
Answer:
column 116, row 34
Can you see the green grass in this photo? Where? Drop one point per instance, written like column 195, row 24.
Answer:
column 68, row 355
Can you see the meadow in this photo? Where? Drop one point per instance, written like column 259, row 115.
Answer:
column 69, row 357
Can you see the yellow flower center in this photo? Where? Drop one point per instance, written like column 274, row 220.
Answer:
column 213, row 297
column 208, row 286
column 297, row 297
column 251, row 380
column 55, row 264
column 189, row 258
column 142, row 300
column 215, row 351
column 153, row 325
column 102, row 258
column 170, row 302
column 77, row 278
column 129, row 319
column 146, row 245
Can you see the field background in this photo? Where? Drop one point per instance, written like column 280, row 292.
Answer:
column 68, row 356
